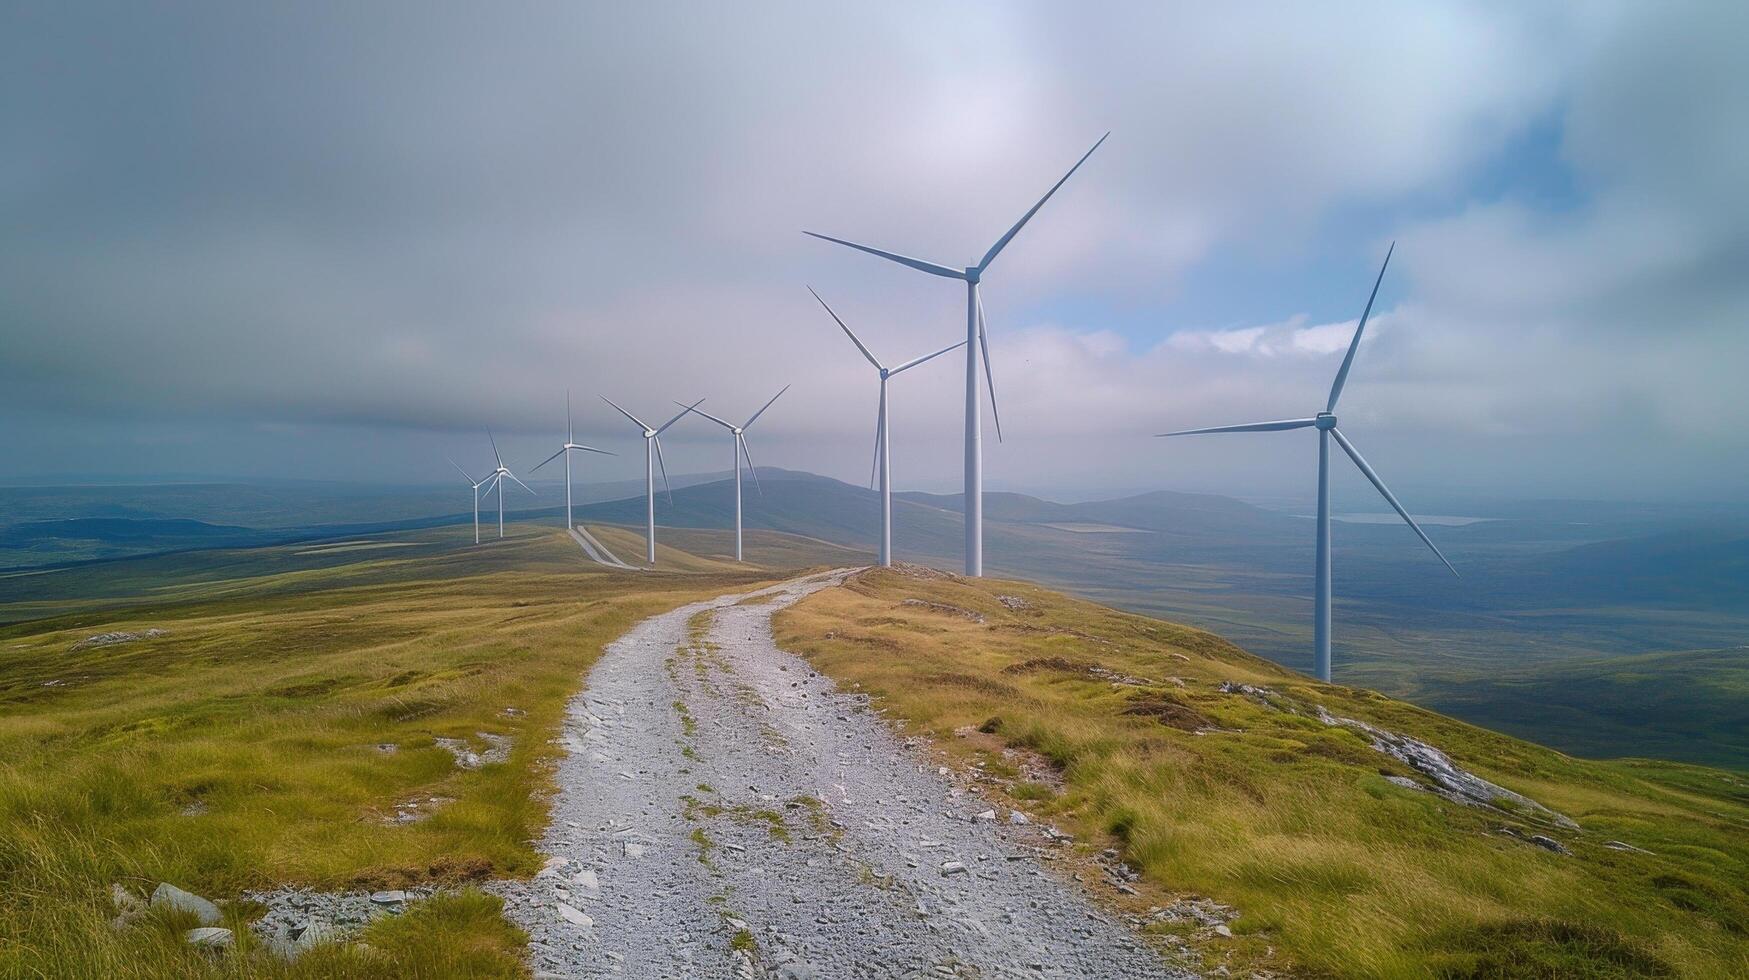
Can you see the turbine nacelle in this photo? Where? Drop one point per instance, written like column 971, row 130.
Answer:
column 1325, row 421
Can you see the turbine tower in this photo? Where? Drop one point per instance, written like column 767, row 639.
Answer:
column 883, row 463
column 497, row 481
column 739, row 432
column 476, row 484
column 566, row 450
column 1325, row 423
column 652, row 459
column 976, row 341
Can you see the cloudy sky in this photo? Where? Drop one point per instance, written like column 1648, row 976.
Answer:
column 336, row 240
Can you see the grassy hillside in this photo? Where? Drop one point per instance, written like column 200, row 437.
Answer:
column 244, row 747
column 1116, row 728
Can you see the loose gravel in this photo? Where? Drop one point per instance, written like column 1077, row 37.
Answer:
column 724, row 811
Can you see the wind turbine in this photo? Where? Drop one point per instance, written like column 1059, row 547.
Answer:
column 652, row 459
column 976, row 341
column 739, row 432
column 476, row 484
column 566, row 450
column 497, row 481
column 883, row 456
column 1325, row 423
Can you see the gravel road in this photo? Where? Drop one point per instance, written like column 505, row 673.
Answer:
column 726, row 812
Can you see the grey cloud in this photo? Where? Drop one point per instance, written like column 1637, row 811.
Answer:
column 400, row 219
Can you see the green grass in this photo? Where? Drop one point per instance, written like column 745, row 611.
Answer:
column 1336, row 871
column 239, row 750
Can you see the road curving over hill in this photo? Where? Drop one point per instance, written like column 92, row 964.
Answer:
column 724, row 811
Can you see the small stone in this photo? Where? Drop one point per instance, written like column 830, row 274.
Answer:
column 952, row 868
column 311, row 933
column 633, row 849
column 125, row 901
column 208, row 937
column 169, row 896
column 574, row 916
column 587, row 879
column 987, row 816
column 1017, row 818
column 1223, row 932
column 392, row 897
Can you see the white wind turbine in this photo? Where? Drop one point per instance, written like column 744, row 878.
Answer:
column 497, row 481
column 883, row 456
column 566, row 450
column 739, row 432
column 976, row 340
column 476, row 485
column 652, row 459
column 1325, row 423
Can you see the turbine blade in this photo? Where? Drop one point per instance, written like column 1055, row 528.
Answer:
column 1250, row 427
column 664, row 465
column 464, row 473
column 913, row 362
column 848, row 332
column 1002, row 242
column 522, row 484
column 989, row 379
column 696, row 411
column 491, row 483
column 635, row 420
column 592, row 449
column 684, row 411
column 918, row 264
column 1354, row 454
column 549, row 459
column 494, row 443
column 1354, row 345
column 570, row 431
column 762, row 408
column 750, row 467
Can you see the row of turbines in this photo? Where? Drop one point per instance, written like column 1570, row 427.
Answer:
column 977, row 346
column 653, row 461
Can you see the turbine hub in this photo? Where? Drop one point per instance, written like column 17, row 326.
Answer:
column 1325, row 421
column 972, row 274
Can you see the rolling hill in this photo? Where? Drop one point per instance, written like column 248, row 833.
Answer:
column 1543, row 586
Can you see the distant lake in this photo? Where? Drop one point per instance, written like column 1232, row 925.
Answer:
column 1437, row 520
column 1440, row 520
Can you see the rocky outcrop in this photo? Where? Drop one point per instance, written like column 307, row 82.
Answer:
column 1446, row 778
column 119, row 636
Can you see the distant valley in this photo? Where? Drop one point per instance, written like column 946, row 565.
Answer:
column 1602, row 629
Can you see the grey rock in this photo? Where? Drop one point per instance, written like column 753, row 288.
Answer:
column 168, row 896
column 209, row 937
